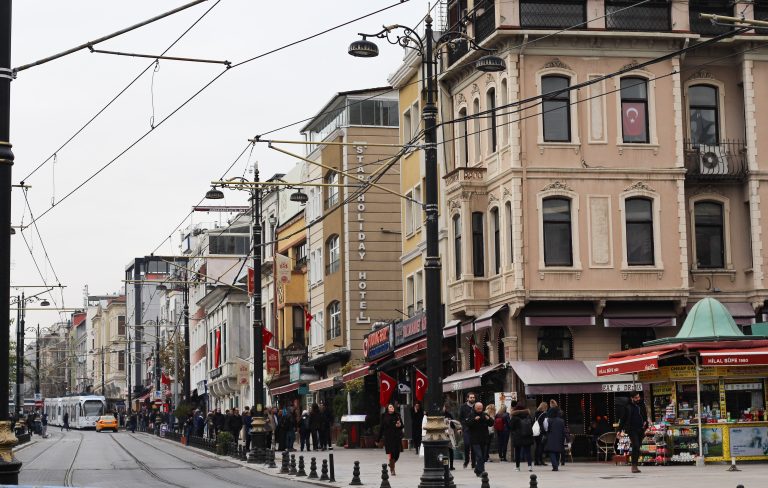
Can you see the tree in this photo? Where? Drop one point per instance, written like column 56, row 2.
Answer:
column 170, row 353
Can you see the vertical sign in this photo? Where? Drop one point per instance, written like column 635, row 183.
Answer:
column 362, row 284
column 273, row 361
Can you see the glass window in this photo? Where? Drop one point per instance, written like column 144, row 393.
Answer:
column 418, row 280
column 557, row 232
column 476, row 129
column 639, row 221
column 555, row 343
column 463, row 138
column 457, row 246
column 504, row 112
column 510, row 236
column 496, row 241
column 121, row 325
column 334, row 323
column 332, row 192
column 416, row 216
column 490, row 103
column 333, row 254
column 556, row 108
column 478, row 244
column 409, row 296
column 409, row 213
column 634, row 337
column 634, row 109
column 407, row 131
column 703, row 108
column 710, row 243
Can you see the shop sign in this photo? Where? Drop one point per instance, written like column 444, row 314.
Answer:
column 215, row 372
column 410, row 329
column 662, row 389
column 273, row 361
column 505, row 398
column 748, row 441
column 749, row 371
column 362, row 276
column 621, row 387
column 744, row 387
column 378, row 342
column 303, row 390
column 243, row 373
column 676, row 372
column 294, row 353
column 294, row 371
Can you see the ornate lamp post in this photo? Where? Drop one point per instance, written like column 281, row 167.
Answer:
column 436, row 441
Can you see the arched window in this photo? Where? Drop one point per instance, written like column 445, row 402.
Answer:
column 476, row 129
column 558, row 245
column 504, row 119
column 490, row 104
column 639, row 222
column 500, row 346
column 463, row 138
column 634, row 337
column 556, row 108
column 478, row 244
column 555, row 343
column 510, row 235
column 634, row 109
column 486, row 348
column 334, row 321
column 704, row 115
column 496, row 240
column 457, row 246
column 332, row 251
column 710, row 235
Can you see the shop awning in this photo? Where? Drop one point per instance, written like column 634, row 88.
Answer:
column 284, row 389
column 451, row 328
column 640, row 314
column 468, row 379
column 357, row 373
column 568, row 376
column 742, row 312
column 551, row 314
column 417, row 346
column 324, row 384
column 735, row 357
column 485, row 320
column 630, row 364
column 143, row 397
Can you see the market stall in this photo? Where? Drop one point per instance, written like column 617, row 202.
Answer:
column 707, row 389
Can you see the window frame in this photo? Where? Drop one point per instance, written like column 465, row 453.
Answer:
column 478, row 244
column 645, row 102
column 558, row 98
column 333, row 265
column 724, row 236
column 569, row 223
column 334, row 321
column 493, row 135
column 408, row 220
column 510, row 218
column 477, row 128
column 495, row 238
column 565, row 337
column 457, row 246
column 721, row 115
column 462, row 138
column 646, row 221
column 331, row 192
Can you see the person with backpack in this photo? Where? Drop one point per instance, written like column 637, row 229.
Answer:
column 521, row 426
column 554, row 426
column 501, row 426
column 304, row 430
column 539, row 436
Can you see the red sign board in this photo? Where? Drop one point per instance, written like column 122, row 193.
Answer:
column 630, row 364
column 735, row 357
column 273, row 361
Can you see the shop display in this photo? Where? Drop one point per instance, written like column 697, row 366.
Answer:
column 685, row 443
column 654, row 450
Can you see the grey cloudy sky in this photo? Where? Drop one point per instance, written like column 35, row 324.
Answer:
column 130, row 208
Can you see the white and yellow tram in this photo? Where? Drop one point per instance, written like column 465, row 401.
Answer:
column 83, row 410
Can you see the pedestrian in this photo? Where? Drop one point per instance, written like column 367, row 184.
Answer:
column 270, row 425
column 501, row 426
column 391, row 430
column 521, row 426
column 633, row 423
column 133, row 421
column 478, row 424
column 226, row 426
column 65, row 425
column 314, row 424
column 304, row 430
column 236, row 424
column 541, row 438
column 491, row 411
column 555, row 429
column 218, row 422
column 452, row 426
column 417, row 415
column 326, row 415
column 280, row 430
column 44, row 422
column 247, row 420
column 289, row 426
column 465, row 411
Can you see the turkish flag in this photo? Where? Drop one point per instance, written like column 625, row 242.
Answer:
column 266, row 337
column 479, row 358
column 307, row 320
column 421, row 385
column 217, row 352
column 164, row 379
column 251, row 281
column 387, row 386
column 633, row 118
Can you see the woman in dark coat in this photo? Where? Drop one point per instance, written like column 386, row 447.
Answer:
column 555, row 444
column 417, row 416
column 391, row 429
column 521, row 425
column 539, row 416
column 315, row 422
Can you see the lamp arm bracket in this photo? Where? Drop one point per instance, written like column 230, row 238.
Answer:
column 409, row 39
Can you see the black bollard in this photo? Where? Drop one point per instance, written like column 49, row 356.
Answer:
column 293, row 465
column 535, row 484
column 356, row 475
column 312, row 469
column 272, row 459
column 384, row 477
column 324, row 471
column 301, row 471
column 266, row 456
column 484, row 480
column 284, row 465
column 331, row 468
column 446, row 474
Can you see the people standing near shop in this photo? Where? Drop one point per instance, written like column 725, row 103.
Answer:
column 521, row 426
column 451, row 427
column 218, row 421
column 541, row 438
column 501, row 427
column 314, row 425
column 391, row 430
column 326, row 416
column 289, row 426
column 465, row 411
column 417, row 416
column 491, row 411
column 633, row 423
column 236, row 424
column 478, row 423
column 304, row 430
column 554, row 426
column 44, row 421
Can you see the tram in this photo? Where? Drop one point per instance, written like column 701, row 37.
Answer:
column 84, row 410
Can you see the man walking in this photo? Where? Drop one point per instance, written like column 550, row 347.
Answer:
column 66, row 422
column 465, row 411
column 633, row 423
column 478, row 424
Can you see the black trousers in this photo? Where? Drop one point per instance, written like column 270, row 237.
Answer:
column 635, row 440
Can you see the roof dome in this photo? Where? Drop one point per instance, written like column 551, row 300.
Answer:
column 709, row 319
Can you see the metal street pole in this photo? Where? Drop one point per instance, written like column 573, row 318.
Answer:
column 37, row 362
column 176, row 365
column 257, row 453
column 129, row 407
column 19, row 329
column 157, row 355
column 102, row 372
column 187, row 379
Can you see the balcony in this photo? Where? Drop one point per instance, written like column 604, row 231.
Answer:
column 301, row 263
column 460, row 48
column 654, row 16
column 726, row 161
column 705, row 27
column 465, row 175
column 545, row 14
column 485, row 22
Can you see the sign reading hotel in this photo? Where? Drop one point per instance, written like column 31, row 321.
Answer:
column 362, row 276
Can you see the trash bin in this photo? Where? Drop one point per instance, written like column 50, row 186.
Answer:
column 353, row 426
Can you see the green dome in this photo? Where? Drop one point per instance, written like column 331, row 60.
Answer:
column 709, row 319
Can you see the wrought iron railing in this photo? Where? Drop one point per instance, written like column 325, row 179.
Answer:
column 725, row 161
column 485, row 20
column 301, row 262
column 545, row 14
column 460, row 48
column 705, row 27
column 654, row 16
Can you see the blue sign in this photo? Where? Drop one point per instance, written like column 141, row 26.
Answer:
column 378, row 343
column 410, row 329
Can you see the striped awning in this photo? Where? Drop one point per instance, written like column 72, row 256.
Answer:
column 285, row 389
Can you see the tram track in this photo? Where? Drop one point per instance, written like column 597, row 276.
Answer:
column 144, row 467
column 36, row 456
column 71, row 471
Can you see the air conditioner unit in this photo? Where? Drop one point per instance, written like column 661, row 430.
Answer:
column 712, row 160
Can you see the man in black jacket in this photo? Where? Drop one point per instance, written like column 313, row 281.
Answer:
column 634, row 421
column 465, row 411
column 478, row 423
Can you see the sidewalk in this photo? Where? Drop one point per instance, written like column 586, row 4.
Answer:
column 503, row 475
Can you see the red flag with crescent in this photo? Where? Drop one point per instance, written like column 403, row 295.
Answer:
column 479, row 359
column 387, row 386
column 266, row 337
column 217, row 351
column 421, row 385
column 633, row 118
column 307, row 320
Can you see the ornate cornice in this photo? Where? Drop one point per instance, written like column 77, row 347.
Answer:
column 640, row 185
column 460, row 98
column 556, row 63
column 702, row 74
column 557, row 185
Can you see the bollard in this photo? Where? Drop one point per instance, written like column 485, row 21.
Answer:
column 384, row 477
column 446, row 474
column 301, row 471
column 312, row 469
column 332, row 468
column 534, row 483
column 324, row 471
column 293, row 465
column 272, row 459
column 733, row 466
column 284, row 465
column 484, row 480
column 266, row 456
column 356, row 475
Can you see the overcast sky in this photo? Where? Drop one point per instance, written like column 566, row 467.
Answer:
column 132, row 206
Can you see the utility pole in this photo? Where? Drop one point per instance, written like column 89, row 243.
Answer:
column 176, row 364
column 19, row 329
column 129, row 407
column 157, row 354
column 187, row 379
column 103, row 392
column 37, row 362
column 257, row 453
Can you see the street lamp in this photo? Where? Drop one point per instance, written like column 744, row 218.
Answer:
column 436, row 440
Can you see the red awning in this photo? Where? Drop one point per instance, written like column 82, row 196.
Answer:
column 735, row 357
column 630, row 364
column 411, row 348
column 323, row 384
column 357, row 373
column 284, row 389
column 143, row 397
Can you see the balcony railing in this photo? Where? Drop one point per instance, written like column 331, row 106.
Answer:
column 705, row 27
column 485, row 22
column 725, row 161
column 301, row 262
column 460, row 48
column 654, row 16
column 545, row 14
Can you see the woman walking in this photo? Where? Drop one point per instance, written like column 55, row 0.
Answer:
column 491, row 411
column 555, row 427
column 391, row 429
column 522, row 435
column 541, row 439
column 417, row 416
column 501, row 426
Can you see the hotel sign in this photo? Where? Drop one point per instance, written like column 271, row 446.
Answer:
column 362, row 276
column 378, row 343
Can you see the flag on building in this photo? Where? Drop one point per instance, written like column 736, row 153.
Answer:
column 307, row 320
column 266, row 337
column 421, row 385
column 386, row 388
column 283, row 264
column 479, row 358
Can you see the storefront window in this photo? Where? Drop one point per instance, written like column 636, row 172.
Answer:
column 555, row 343
column 686, row 399
column 634, row 337
column 745, row 399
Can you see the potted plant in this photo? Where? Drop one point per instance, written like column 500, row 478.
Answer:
column 223, row 439
column 342, row 440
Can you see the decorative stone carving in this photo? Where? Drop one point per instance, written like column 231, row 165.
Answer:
column 475, row 88
column 460, row 99
column 557, row 185
column 492, row 198
column 630, row 66
column 556, row 63
column 640, row 185
column 474, row 174
column 506, row 192
column 702, row 74
column 451, row 179
column 707, row 189
column 488, row 79
column 454, row 204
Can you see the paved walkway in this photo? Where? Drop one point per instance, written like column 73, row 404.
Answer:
column 503, row 475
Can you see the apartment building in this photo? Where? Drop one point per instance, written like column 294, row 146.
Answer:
column 108, row 354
